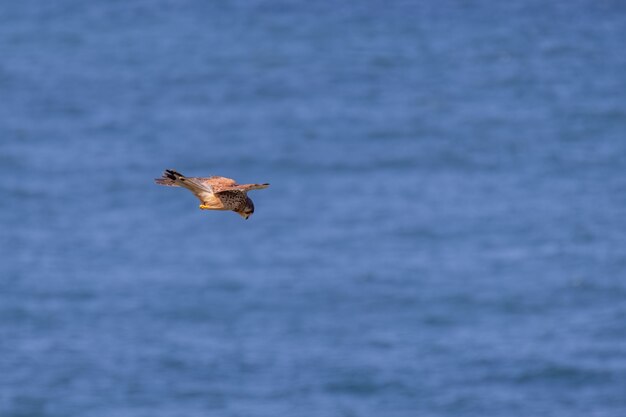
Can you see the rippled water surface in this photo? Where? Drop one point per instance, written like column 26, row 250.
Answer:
column 444, row 234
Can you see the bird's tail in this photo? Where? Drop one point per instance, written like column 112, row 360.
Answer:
column 170, row 178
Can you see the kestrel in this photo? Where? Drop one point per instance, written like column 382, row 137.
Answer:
column 215, row 193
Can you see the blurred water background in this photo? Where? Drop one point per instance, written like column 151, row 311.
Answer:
column 444, row 234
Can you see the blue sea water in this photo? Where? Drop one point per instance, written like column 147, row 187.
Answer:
column 444, row 235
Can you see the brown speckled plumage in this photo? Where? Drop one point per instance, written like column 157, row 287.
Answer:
column 233, row 200
column 215, row 193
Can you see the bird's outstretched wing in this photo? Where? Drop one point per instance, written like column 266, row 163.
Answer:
column 223, row 184
column 248, row 187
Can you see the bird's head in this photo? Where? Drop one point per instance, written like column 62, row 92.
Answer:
column 247, row 210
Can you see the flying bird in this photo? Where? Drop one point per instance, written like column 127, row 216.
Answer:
column 215, row 193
